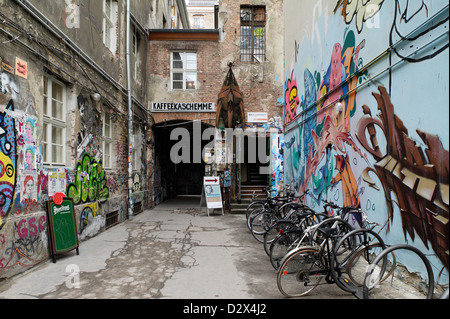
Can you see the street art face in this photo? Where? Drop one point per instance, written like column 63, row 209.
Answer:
column 7, row 162
column 291, row 101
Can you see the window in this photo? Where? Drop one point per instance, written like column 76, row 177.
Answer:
column 136, row 154
column 199, row 22
column 136, row 41
column 253, row 33
column 107, row 139
column 110, row 13
column 54, row 122
column 183, row 70
column 135, row 50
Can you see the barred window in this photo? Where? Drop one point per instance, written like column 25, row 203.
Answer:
column 253, row 33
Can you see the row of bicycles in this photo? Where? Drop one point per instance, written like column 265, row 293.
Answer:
column 338, row 245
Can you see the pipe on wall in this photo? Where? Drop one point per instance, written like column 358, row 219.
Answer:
column 130, row 115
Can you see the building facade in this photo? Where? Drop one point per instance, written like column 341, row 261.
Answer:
column 202, row 13
column 64, row 116
column 366, row 115
column 189, row 67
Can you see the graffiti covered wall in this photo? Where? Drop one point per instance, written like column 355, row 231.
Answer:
column 366, row 114
column 26, row 182
column 23, row 224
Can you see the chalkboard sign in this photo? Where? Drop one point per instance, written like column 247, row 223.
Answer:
column 62, row 229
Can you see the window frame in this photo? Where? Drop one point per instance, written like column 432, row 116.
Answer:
column 50, row 122
column 183, row 70
column 198, row 21
column 111, row 21
column 107, row 139
column 255, row 53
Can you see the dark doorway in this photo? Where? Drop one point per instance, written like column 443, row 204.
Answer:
column 256, row 160
column 180, row 175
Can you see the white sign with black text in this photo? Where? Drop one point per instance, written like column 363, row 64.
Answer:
column 183, row 107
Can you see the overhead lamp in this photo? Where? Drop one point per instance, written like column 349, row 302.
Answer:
column 338, row 108
column 96, row 97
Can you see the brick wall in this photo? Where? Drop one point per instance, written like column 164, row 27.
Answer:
column 209, row 77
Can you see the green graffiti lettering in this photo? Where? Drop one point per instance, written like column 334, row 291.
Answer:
column 90, row 182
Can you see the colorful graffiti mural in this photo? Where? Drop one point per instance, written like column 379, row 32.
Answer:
column 8, row 162
column 419, row 180
column 343, row 147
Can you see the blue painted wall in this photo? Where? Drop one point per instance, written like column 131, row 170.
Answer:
column 367, row 114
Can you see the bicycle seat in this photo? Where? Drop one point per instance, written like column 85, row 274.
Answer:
column 327, row 231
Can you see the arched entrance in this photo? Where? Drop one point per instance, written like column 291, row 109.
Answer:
column 179, row 164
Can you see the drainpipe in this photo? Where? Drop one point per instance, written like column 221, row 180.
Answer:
column 130, row 117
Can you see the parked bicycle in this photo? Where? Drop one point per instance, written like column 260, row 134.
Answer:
column 295, row 237
column 334, row 251
column 268, row 204
column 303, row 268
column 279, row 209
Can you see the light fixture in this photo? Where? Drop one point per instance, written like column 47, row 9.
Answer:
column 338, row 108
column 96, row 97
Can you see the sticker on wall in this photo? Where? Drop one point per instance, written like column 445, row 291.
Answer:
column 29, row 184
column 57, row 181
column 21, row 68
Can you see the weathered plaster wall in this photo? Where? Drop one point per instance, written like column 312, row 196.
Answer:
column 29, row 51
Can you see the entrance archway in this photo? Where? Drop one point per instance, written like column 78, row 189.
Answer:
column 178, row 159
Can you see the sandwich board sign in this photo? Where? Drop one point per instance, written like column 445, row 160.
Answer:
column 62, row 228
column 212, row 194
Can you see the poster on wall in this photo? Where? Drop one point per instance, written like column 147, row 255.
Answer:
column 257, row 117
column 57, row 182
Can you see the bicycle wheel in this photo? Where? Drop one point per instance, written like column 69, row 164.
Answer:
column 254, row 205
column 252, row 215
column 279, row 227
column 403, row 284
column 283, row 244
column 292, row 238
column 351, row 257
column 301, row 272
column 261, row 223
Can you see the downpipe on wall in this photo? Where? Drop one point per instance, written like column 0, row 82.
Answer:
column 130, row 117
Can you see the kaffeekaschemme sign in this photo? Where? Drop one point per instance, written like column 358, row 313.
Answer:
column 183, row 107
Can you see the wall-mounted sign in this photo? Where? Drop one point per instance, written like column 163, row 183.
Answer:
column 21, row 68
column 257, row 117
column 183, row 107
